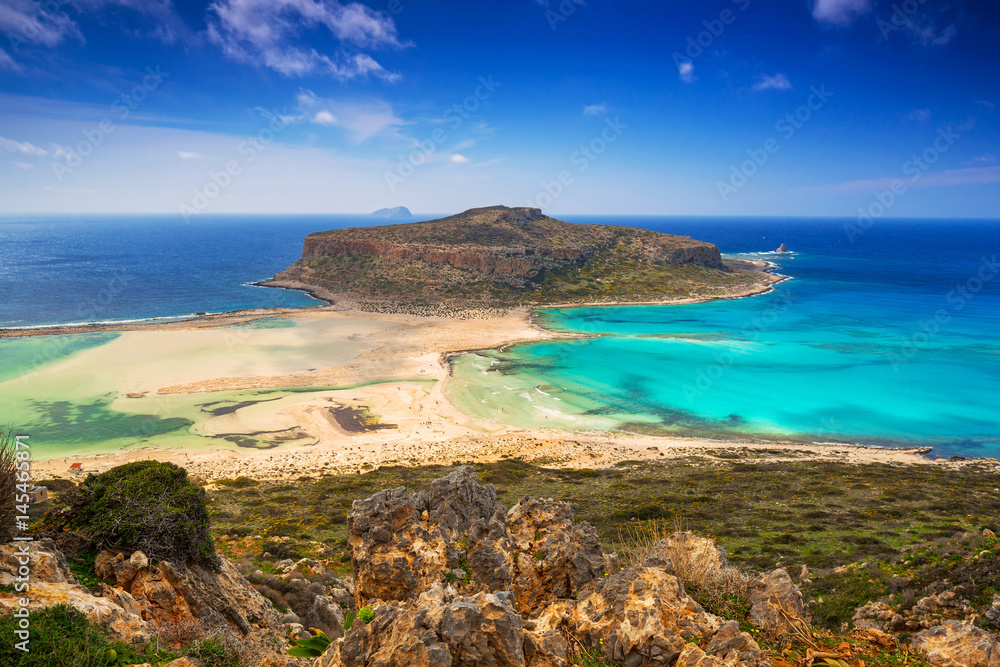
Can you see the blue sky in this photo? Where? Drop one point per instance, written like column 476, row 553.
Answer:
column 724, row 107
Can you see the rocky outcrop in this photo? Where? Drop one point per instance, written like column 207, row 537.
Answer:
column 139, row 600
column 438, row 628
column 958, row 644
column 453, row 578
column 404, row 544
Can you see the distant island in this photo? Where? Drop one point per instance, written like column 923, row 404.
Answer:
column 507, row 257
column 395, row 212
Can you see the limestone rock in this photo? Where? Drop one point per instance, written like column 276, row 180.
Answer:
column 729, row 638
column 182, row 662
column 639, row 616
column 692, row 656
column 554, row 557
column 119, row 623
column 958, row 644
column 438, row 628
column 776, row 603
column 875, row 615
column 993, row 613
column 47, row 563
column 694, row 553
column 404, row 544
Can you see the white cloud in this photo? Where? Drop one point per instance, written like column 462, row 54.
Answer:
column 24, row 166
column 185, row 155
column 772, row 82
column 460, row 159
column 462, row 145
column 918, row 115
column 595, row 109
column 362, row 119
column 22, row 147
column 265, row 32
column 839, row 12
column 988, row 158
column 686, row 72
column 28, row 22
column 325, row 118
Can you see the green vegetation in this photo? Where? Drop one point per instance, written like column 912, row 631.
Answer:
column 765, row 513
column 146, row 505
column 311, row 647
column 61, row 636
column 8, row 484
column 366, row 614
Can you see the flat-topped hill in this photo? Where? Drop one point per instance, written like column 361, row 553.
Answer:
column 500, row 256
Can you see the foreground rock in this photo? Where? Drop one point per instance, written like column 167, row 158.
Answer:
column 453, row 578
column 404, row 544
column 958, row 644
column 168, row 600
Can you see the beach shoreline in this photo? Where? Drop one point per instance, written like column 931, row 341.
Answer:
column 389, row 375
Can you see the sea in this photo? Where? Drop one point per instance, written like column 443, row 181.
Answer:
column 883, row 334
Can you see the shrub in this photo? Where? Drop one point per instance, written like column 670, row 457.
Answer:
column 366, row 614
column 148, row 506
column 8, row 484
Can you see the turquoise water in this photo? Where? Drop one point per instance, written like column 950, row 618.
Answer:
column 891, row 343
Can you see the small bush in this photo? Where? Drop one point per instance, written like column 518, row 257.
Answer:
column 366, row 614
column 146, row 506
column 8, row 484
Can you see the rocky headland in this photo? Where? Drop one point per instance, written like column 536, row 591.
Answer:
column 505, row 257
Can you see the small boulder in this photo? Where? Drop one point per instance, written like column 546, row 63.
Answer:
column 776, row 604
column 958, row 644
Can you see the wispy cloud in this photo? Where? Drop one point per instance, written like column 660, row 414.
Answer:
column 918, row 116
column 265, row 33
column 954, row 177
column 686, row 72
column 6, row 62
column 186, row 155
column 772, row 82
column 27, row 21
column 595, row 109
column 22, row 147
column 362, row 119
column 839, row 12
column 24, row 166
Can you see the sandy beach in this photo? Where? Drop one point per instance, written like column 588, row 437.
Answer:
column 387, row 371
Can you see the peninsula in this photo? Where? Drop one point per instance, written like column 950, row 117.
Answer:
column 508, row 257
